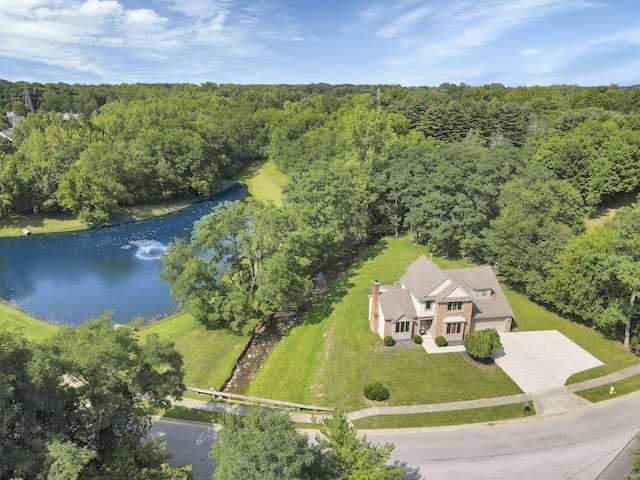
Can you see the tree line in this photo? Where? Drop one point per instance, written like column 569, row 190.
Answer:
column 500, row 175
column 513, row 191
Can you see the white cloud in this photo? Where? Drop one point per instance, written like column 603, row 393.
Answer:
column 404, row 22
column 100, row 8
column 529, row 52
column 144, row 17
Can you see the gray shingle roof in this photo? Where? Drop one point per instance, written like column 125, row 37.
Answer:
column 395, row 301
column 423, row 276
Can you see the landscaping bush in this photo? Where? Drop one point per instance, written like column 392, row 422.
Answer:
column 376, row 392
column 482, row 343
column 389, row 341
column 441, row 341
column 417, row 339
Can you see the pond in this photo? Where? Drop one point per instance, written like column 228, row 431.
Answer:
column 71, row 277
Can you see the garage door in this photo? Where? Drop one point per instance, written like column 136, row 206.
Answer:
column 497, row 323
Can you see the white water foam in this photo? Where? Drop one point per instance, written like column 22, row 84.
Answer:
column 149, row 249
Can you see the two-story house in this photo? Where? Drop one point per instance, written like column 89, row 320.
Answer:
column 430, row 301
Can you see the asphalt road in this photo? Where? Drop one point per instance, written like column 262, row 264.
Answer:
column 579, row 445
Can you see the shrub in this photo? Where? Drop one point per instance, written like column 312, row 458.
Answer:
column 417, row 339
column 389, row 341
column 441, row 341
column 376, row 392
column 482, row 343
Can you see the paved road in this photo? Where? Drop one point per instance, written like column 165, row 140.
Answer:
column 578, row 445
column 189, row 443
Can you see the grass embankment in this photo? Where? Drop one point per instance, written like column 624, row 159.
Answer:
column 608, row 210
column 209, row 355
column 15, row 320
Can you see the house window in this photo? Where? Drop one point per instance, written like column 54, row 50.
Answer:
column 454, row 328
column 454, row 306
column 427, row 305
column 402, row 327
column 483, row 293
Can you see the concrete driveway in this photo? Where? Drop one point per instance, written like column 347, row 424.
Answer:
column 541, row 360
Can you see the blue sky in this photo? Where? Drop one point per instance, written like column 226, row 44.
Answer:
column 406, row 42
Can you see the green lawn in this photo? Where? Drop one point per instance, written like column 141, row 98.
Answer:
column 265, row 181
column 332, row 355
column 453, row 417
column 608, row 210
column 14, row 320
column 209, row 355
column 603, row 392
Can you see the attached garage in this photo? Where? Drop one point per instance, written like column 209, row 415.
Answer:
column 500, row 324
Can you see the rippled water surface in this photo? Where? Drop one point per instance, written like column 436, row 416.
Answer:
column 71, row 277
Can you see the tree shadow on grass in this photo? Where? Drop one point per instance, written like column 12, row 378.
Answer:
column 339, row 280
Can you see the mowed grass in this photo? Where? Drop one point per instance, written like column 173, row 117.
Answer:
column 530, row 316
column 264, row 181
column 452, row 417
column 332, row 354
column 15, row 320
column 209, row 355
column 607, row 211
column 603, row 392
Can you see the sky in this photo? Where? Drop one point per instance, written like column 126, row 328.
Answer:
column 403, row 42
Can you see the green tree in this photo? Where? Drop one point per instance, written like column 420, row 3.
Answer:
column 353, row 457
column 265, row 446
column 537, row 219
column 482, row 343
column 32, row 409
column 243, row 262
column 112, row 379
column 67, row 460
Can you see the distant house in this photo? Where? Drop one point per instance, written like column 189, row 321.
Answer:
column 430, row 301
column 14, row 119
column 7, row 133
column 69, row 115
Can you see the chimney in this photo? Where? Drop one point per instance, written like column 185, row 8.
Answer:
column 375, row 302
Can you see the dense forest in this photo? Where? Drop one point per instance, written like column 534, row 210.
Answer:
column 499, row 175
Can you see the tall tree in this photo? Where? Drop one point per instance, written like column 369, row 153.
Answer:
column 261, row 446
column 536, row 221
column 353, row 457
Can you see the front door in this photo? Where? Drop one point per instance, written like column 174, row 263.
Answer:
column 425, row 325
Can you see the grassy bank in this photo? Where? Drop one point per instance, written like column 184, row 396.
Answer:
column 209, row 355
column 15, row 320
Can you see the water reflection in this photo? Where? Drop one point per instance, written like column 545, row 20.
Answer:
column 75, row 276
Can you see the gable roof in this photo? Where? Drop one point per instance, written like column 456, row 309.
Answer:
column 424, row 280
column 422, row 277
column 395, row 302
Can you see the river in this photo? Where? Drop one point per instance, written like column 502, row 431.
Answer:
column 71, row 277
